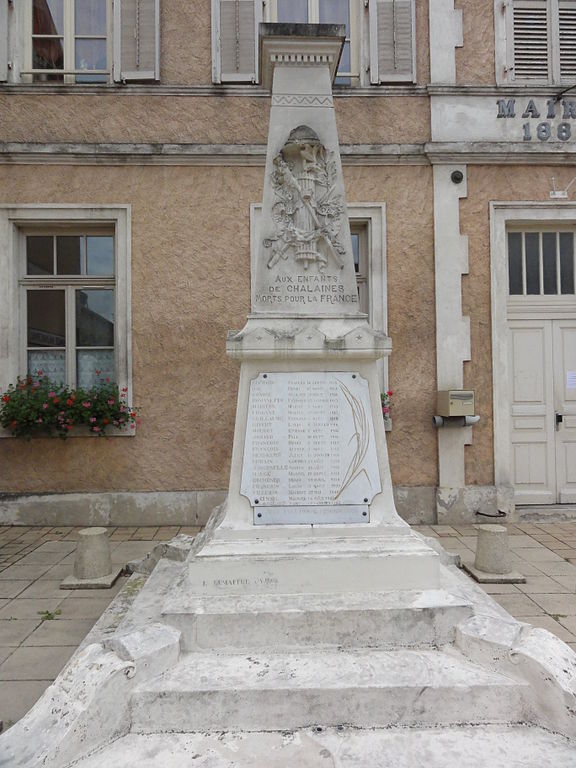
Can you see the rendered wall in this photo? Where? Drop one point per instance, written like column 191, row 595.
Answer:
column 190, row 285
column 475, row 60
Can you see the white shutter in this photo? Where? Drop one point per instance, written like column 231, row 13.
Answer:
column 3, row 41
column 567, row 24
column 136, row 40
column 392, row 41
column 235, row 40
column 531, row 40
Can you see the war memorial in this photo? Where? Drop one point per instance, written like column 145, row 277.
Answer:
column 308, row 624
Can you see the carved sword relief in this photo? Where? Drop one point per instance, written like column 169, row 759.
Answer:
column 308, row 208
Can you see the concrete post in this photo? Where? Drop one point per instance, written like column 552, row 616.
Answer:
column 93, row 567
column 493, row 561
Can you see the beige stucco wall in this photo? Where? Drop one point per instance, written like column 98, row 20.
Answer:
column 475, row 60
column 422, row 42
column 186, row 26
column 120, row 117
column 190, row 285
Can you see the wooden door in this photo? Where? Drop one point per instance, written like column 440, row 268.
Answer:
column 533, row 458
column 564, row 353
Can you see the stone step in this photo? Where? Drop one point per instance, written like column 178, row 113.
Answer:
column 411, row 619
column 471, row 747
column 361, row 688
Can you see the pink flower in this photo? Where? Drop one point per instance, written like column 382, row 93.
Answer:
column 95, row 429
column 35, row 385
column 51, row 394
column 87, row 404
column 92, row 420
column 111, row 401
column 44, row 405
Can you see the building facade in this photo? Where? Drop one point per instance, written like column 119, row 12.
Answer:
column 132, row 148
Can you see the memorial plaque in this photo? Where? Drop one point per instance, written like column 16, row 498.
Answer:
column 310, row 454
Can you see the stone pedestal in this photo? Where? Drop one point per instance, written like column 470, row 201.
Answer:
column 310, row 508
column 93, row 567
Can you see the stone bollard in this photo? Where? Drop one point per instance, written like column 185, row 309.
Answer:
column 93, row 567
column 493, row 563
column 492, row 549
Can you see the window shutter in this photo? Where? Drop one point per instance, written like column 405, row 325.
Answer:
column 3, row 41
column 567, row 23
column 530, row 24
column 392, row 41
column 136, row 40
column 235, row 40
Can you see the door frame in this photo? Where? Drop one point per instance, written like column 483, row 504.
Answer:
column 502, row 215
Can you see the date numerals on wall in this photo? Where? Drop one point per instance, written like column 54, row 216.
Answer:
column 546, row 130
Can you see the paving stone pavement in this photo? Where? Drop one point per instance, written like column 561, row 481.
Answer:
column 41, row 625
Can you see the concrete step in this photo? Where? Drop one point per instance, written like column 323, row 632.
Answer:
column 411, row 619
column 363, row 688
column 465, row 747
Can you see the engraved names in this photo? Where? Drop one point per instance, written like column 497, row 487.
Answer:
column 309, row 441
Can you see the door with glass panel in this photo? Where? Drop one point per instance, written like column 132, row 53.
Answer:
column 68, row 306
column 542, row 365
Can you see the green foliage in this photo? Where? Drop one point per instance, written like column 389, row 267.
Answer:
column 49, row 615
column 35, row 406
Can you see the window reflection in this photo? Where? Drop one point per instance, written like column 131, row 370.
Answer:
column 293, row 11
column 95, row 318
column 48, row 17
column 90, row 17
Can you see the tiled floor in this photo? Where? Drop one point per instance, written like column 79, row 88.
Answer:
column 41, row 625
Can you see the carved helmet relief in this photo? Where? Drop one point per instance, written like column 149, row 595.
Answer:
column 308, row 208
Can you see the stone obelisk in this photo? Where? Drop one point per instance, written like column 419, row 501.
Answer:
column 310, row 506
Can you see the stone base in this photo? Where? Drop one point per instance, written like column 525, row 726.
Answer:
column 316, row 747
column 104, row 582
column 494, row 578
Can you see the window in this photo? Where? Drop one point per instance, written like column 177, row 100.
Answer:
column 325, row 12
column 79, row 41
column 359, row 236
column 541, row 263
column 380, row 37
column 65, row 299
column 68, row 295
column 540, row 42
column 69, row 40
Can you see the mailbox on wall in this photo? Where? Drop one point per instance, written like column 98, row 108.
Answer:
column 455, row 402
